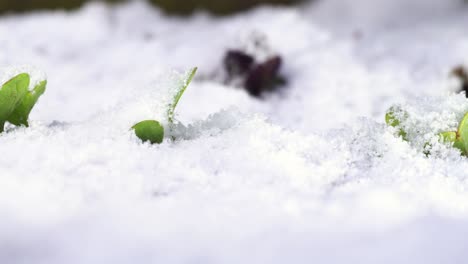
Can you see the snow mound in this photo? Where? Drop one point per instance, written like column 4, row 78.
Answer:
column 299, row 177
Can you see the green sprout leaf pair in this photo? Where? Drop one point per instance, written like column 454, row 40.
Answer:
column 153, row 131
column 395, row 117
column 459, row 138
column 17, row 101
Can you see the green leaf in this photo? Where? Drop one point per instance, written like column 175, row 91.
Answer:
column 463, row 132
column 448, row 137
column 454, row 140
column 149, row 130
column 459, row 144
column 20, row 115
column 11, row 95
column 184, row 83
column 394, row 117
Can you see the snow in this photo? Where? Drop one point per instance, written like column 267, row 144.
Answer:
column 308, row 175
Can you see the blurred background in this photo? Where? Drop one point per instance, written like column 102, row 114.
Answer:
column 172, row 6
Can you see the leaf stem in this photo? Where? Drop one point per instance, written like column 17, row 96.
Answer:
column 186, row 82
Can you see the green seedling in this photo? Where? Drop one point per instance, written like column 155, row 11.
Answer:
column 452, row 137
column 16, row 101
column 151, row 130
column 394, row 117
column 21, row 114
column 185, row 83
column 458, row 139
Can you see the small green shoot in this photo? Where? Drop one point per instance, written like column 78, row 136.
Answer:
column 185, row 83
column 21, row 114
column 451, row 137
column 151, row 130
column 394, row 117
column 16, row 101
column 457, row 139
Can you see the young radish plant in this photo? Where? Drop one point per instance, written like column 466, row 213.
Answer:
column 17, row 101
column 396, row 116
column 153, row 131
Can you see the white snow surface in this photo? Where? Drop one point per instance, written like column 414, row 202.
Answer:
column 308, row 175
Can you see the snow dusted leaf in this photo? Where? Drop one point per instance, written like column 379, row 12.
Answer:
column 463, row 132
column 149, row 131
column 180, row 89
column 448, row 137
column 11, row 95
column 452, row 138
column 20, row 115
column 459, row 144
column 394, row 117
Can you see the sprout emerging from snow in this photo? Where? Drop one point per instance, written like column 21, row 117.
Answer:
column 153, row 131
column 396, row 117
column 17, row 101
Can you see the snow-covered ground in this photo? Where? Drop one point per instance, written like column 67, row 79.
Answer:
column 308, row 175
